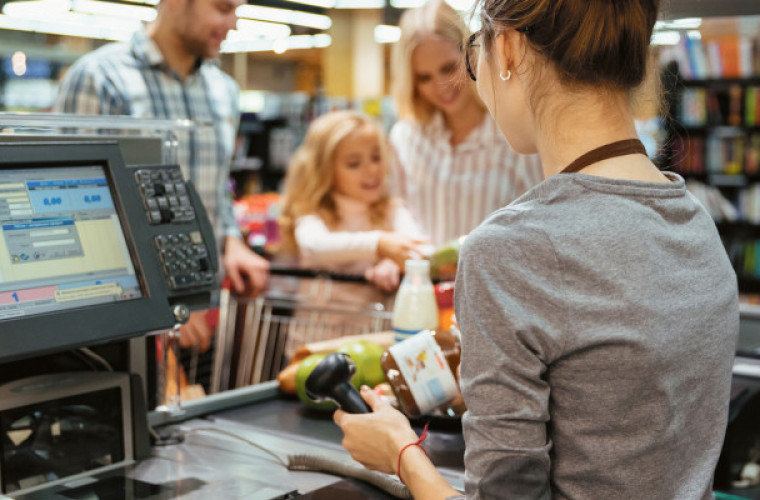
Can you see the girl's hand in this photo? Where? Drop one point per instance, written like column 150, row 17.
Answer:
column 397, row 248
column 384, row 275
column 375, row 439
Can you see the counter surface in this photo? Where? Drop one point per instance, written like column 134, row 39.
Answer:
column 214, row 461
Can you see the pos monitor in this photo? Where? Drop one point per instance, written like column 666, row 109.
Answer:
column 93, row 251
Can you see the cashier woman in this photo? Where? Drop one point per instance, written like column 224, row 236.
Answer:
column 599, row 310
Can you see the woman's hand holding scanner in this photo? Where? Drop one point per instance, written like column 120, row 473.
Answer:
column 398, row 248
column 385, row 275
column 376, row 439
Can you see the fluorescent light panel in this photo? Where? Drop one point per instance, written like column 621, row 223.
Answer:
column 325, row 4
column 89, row 30
column 461, row 4
column 98, row 7
column 284, row 16
column 407, row 4
column 57, row 12
column 359, row 4
column 248, row 29
column 666, row 38
column 387, row 34
column 687, row 23
column 290, row 43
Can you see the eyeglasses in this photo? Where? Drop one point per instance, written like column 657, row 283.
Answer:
column 471, row 56
column 471, row 52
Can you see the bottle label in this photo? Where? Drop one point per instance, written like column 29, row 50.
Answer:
column 426, row 371
column 400, row 334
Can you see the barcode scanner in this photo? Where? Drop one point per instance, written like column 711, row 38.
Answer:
column 330, row 380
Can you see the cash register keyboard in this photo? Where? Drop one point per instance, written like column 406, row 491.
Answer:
column 164, row 195
column 184, row 259
column 183, row 254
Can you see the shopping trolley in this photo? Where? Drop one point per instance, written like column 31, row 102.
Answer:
column 253, row 332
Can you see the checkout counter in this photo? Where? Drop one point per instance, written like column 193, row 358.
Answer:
column 94, row 252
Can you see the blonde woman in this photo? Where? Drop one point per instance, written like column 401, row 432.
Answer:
column 451, row 164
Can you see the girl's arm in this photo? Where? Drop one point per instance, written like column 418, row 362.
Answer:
column 323, row 247
column 320, row 245
column 375, row 440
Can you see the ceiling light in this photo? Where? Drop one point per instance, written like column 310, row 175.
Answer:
column 359, row 4
column 58, row 13
column 280, row 46
column 139, row 12
column 666, row 38
column 248, row 29
column 461, row 4
column 285, row 16
column 407, row 4
column 387, row 34
column 687, row 23
column 289, row 43
column 325, row 4
column 90, row 30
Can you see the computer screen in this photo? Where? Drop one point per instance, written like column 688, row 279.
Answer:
column 62, row 244
column 83, row 260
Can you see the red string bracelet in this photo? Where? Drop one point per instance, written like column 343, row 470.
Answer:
column 414, row 443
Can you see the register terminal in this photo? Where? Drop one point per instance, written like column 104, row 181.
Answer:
column 92, row 250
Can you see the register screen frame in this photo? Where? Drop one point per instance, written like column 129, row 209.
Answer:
column 89, row 322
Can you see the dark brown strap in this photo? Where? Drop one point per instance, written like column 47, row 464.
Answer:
column 619, row 148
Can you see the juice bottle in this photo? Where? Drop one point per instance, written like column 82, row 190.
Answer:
column 415, row 309
column 421, row 371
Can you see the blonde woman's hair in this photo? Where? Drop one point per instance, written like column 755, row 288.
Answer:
column 433, row 19
column 309, row 180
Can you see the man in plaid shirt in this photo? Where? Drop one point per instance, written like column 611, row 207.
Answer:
column 169, row 71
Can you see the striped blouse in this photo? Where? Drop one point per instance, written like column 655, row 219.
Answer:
column 450, row 190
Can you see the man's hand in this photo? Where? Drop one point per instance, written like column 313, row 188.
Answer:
column 196, row 332
column 247, row 271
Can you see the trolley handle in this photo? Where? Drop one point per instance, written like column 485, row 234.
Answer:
column 298, row 272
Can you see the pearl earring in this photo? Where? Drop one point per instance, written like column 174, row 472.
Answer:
column 505, row 78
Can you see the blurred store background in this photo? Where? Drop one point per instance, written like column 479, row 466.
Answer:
column 296, row 59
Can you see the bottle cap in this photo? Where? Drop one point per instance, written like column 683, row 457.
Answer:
column 417, row 266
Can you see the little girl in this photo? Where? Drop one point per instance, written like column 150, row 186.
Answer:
column 337, row 213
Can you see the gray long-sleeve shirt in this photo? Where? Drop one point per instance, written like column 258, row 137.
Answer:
column 599, row 320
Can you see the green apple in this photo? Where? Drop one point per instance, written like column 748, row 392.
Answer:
column 304, row 370
column 366, row 355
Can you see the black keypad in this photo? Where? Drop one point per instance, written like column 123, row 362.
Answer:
column 164, row 196
column 185, row 259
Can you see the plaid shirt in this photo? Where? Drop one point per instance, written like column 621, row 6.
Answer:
column 132, row 78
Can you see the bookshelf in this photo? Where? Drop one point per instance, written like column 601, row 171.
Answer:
column 713, row 129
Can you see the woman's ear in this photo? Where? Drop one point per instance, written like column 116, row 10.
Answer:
column 507, row 49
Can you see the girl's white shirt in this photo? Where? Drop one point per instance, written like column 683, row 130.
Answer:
column 351, row 247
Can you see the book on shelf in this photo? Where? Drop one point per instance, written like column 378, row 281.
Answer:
column 728, row 56
column 752, row 106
